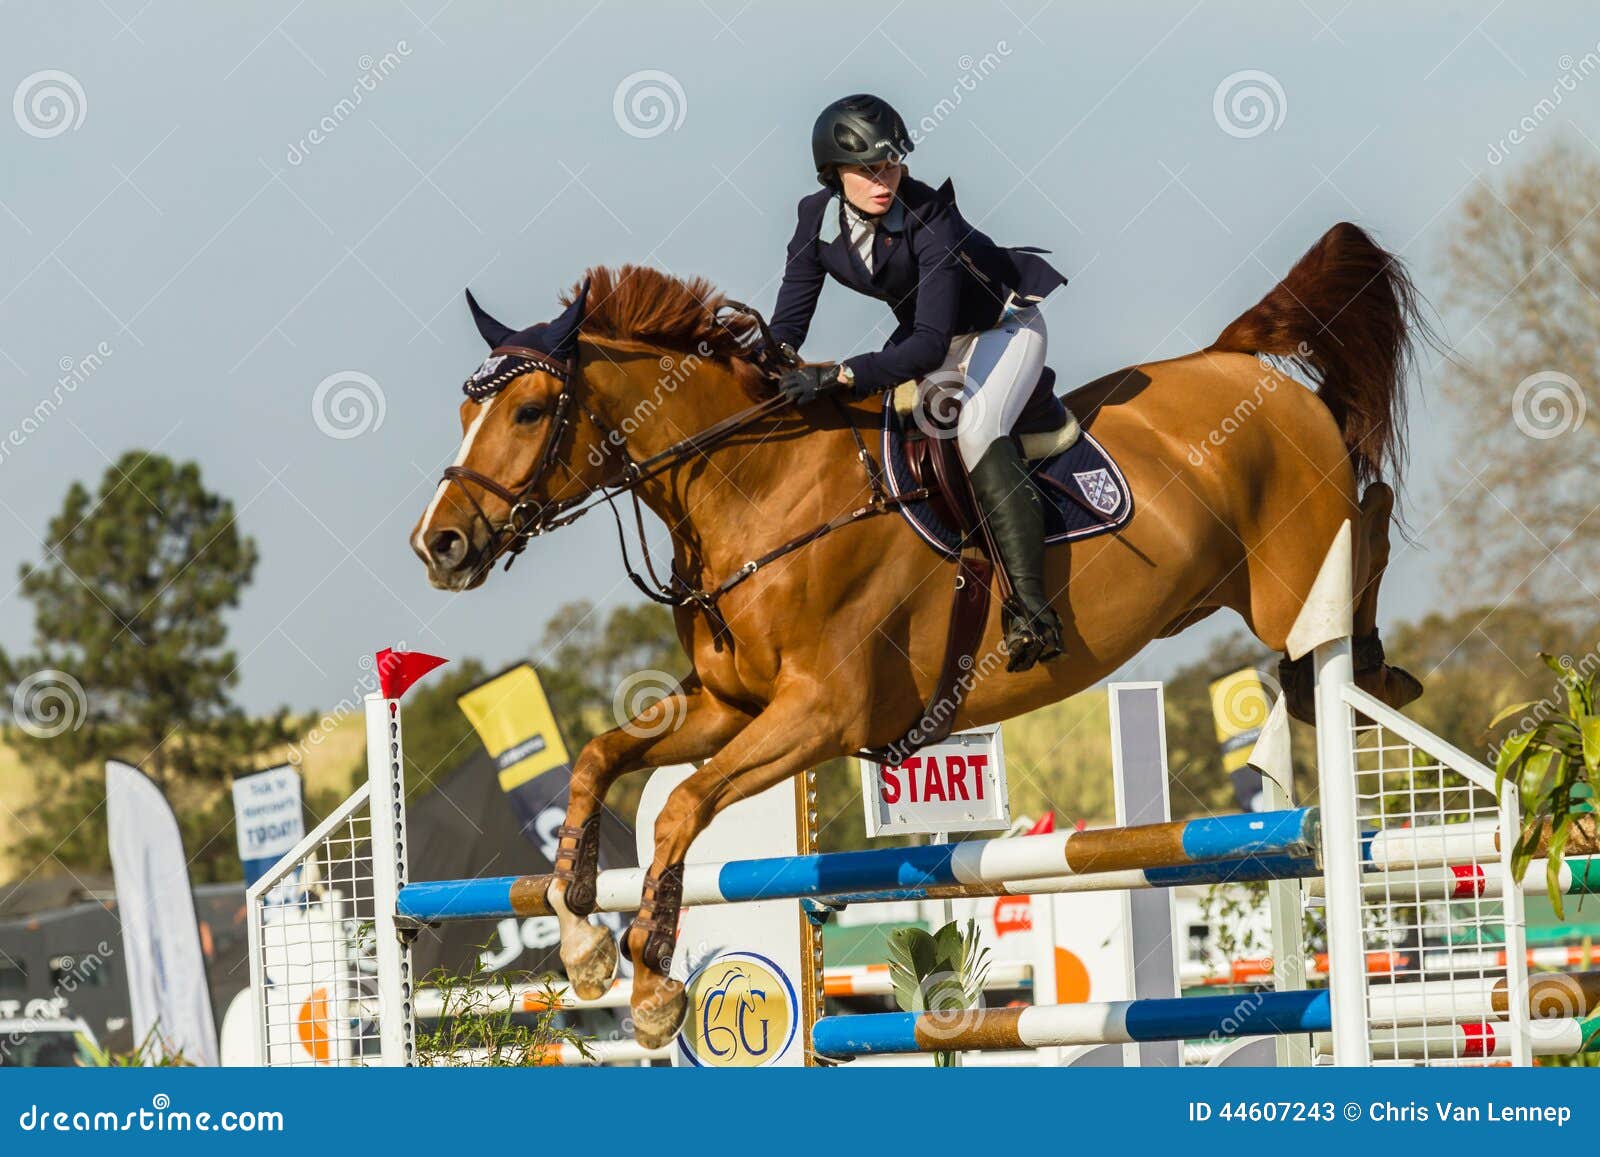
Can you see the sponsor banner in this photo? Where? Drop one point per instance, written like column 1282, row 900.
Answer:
column 166, row 971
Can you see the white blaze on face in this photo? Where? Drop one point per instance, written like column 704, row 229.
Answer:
column 419, row 540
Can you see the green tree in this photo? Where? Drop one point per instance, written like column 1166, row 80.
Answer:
column 130, row 662
column 591, row 663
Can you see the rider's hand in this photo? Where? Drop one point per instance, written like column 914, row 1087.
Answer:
column 807, row 383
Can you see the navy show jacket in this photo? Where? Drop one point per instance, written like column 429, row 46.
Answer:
column 940, row 275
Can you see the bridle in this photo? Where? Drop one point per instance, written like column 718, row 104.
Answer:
column 529, row 518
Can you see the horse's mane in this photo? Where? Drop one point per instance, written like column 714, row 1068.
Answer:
column 637, row 303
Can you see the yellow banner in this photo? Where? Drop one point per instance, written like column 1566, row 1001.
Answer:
column 1239, row 708
column 513, row 718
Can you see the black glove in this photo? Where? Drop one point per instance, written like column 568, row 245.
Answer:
column 807, row 383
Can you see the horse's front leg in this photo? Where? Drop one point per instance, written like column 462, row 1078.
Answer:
column 781, row 742
column 688, row 725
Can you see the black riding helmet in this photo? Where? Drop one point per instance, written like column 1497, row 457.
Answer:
column 859, row 130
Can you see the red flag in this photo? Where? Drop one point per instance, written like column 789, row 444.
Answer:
column 1044, row 824
column 397, row 670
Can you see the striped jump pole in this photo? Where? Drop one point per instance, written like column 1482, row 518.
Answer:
column 968, row 864
column 559, row 1054
column 1550, row 995
column 1189, row 1017
column 1560, row 1037
column 1576, row 877
column 1234, row 870
column 1471, row 958
column 1476, row 842
column 874, row 979
column 1063, row 1025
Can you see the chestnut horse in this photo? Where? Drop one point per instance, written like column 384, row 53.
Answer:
column 1240, row 478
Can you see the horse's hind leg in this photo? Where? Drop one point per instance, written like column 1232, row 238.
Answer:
column 1393, row 686
column 1389, row 685
column 781, row 742
column 688, row 725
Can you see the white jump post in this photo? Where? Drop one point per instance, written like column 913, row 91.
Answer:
column 390, row 873
column 1139, row 776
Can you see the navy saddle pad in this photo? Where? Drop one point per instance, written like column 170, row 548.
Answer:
column 1104, row 500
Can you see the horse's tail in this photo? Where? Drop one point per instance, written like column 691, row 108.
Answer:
column 1347, row 315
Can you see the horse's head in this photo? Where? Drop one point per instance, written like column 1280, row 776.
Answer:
column 520, row 461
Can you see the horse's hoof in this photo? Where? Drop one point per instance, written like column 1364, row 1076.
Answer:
column 657, row 1021
column 1402, row 687
column 590, row 960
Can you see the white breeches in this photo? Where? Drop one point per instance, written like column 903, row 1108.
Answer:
column 994, row 372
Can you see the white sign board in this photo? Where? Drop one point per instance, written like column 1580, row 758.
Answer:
column 268, row 817
column 955, row 786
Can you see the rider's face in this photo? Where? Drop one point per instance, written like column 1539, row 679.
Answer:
column 871, row 188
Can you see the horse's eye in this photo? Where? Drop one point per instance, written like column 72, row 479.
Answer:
column 528, row 413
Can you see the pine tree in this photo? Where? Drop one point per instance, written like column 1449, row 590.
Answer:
column 130, row 663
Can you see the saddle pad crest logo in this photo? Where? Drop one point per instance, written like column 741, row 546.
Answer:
column 1100, row 490
column 488, row 367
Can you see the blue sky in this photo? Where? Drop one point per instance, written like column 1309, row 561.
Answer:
column 162, row 200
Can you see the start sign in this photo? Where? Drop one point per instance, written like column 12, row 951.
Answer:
column 955, row 786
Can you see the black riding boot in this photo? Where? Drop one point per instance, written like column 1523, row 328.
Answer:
column 1016, row 524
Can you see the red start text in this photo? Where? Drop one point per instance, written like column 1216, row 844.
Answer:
column 923, row 779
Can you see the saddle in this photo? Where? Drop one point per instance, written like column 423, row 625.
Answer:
column 1083, row 492
column 1044, row 429
column 933, row 464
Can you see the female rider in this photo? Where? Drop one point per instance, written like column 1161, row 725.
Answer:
column 967, row 310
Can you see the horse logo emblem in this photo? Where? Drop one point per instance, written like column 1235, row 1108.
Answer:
column 1100, row 490
column 743, row 1013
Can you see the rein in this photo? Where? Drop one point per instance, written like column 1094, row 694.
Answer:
column 528, row 518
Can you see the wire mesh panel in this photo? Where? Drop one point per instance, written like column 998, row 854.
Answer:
column 1446, row 975
column 313, row 964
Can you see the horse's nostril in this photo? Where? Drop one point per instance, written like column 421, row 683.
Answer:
column 447, row 547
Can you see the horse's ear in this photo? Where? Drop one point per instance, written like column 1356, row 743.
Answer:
column 562, row 336
column 493, row 332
